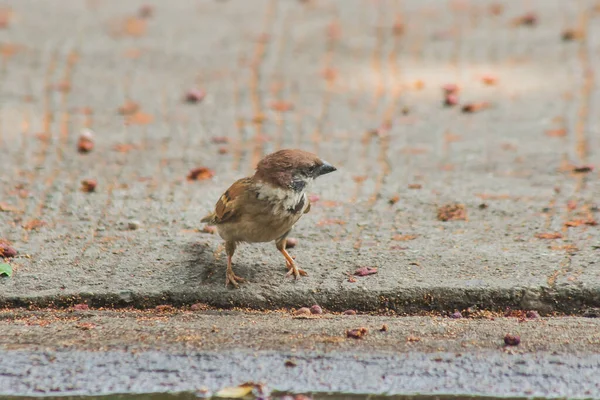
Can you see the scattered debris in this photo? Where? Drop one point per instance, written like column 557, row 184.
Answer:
column 550, row 235
column 195, row 95
column 364, row 271
column 129, row 108
column 475, row 107
column 357, row 333
column 528, row 19
column 403, row 238
column 200, row 174
column 6, row 250
column 34, row 224
column 512, row 340
column 583, row 169
column 452, row 212
column 302, row 311
column 6, row 270
column 579, row 222
column 316, row 309
column 88, row 185
column 281, row 106
column 85, row 144
column 413, row 339
column 134, row 225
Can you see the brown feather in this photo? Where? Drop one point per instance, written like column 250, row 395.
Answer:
column 227, row 208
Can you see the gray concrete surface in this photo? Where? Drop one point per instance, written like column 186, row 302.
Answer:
column 246, row 55
column 67, row 352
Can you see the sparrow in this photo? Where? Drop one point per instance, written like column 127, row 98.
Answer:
column 265, row 206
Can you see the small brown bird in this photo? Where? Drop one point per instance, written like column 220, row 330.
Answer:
column 265, row 207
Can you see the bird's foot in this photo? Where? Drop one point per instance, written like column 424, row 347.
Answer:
column 294, row 270
column 232, row 278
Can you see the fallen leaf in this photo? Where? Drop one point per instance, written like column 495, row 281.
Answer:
column 195, row 95
column 364, row 271
column 5, row 207
column 129, row 107
column 281, row 106
column 579, row 222
column 572, row 34
column 403, row 238
column 583, row 169
column 236, row 392
column 528, row 19
column 551, row 235
column 357, row 333
column 415, row 186
column 394, row 199
column 200, row 174
column 489, row 80
column 139, row 118
column 556, row 132
column 452, row 212
column 124, row 147
column 85, row 326
column 475, row 107
column 413, row 339
column 6, row 270
column 34, row 224
column 89, row 185
column 331, row 222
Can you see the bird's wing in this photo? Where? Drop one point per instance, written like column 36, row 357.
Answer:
column 227, row 208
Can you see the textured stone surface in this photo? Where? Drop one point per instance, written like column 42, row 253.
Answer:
column 347, row 69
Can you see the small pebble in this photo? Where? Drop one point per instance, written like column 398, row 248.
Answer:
column 532, row 314
column 195, row 95
column 512, row 340
column 384, row 328
column 456, row 315
column 291, row 243
column 349, row 312
column 134, row 225
column 316, row 309
column 7, row 251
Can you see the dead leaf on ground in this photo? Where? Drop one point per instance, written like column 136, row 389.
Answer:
column 200, row 174
column 550, row 235
column 415, row 186
column 5, row 207
column 452, row 212
column 364, row 271
column 357, row 333
column 582, row 169
column 475, row 107
column 124, row 147
column 403, row 238
column 281, row 106
column 580, row 222
column 556, row 132
column 129, row 107
column 139, row 118
column 331, row 221
column 34, row 224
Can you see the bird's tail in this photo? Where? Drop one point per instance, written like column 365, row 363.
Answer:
column 209, row 219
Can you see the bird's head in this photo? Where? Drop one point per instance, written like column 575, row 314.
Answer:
column 292, row 168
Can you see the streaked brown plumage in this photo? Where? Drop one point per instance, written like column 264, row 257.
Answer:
column 265, row 206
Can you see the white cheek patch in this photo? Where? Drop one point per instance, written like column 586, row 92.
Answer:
column 287, row 199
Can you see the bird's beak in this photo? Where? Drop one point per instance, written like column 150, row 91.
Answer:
column 325, row 168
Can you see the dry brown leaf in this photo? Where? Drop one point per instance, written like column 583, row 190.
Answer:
column 452, row 212
column 551, row 235
column 200, row 174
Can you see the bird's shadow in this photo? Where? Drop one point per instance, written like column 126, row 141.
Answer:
column 206, row 264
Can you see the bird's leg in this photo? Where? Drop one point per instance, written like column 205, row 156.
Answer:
column 230, row 277
column 289, row 261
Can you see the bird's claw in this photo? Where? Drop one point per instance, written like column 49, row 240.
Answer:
column 294, row 270
column 233, row 279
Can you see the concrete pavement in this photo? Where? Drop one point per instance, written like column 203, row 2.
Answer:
column 358, row 82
